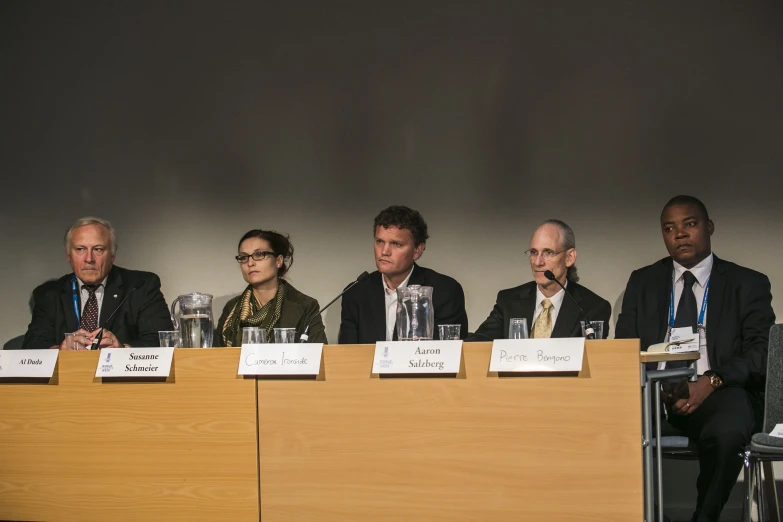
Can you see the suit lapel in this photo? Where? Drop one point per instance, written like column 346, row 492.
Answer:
column 524, row 307
column 568, row 314
column 664, row 284
column 66, row 296
column 112, row 296
column 378, row 306
column 717, row 284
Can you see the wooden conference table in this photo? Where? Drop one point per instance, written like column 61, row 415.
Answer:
column 208, row 445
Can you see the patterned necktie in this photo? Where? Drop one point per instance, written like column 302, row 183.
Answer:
column 89, row 320
column 542, row 329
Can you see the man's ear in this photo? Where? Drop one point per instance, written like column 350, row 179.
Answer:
column 418, row 251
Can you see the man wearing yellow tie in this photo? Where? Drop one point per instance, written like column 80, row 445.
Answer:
column 543, row 302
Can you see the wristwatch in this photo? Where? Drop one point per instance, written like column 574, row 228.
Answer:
column 715, row 379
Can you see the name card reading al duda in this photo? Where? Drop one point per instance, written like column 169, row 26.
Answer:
column 537, row 355
column 28, row 363
column 280, row 359
column 417, row 357
column 134, row 362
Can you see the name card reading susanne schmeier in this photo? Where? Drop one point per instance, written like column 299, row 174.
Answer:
column 28, row 363
column 537, row 355
column 135, row 362
column 280, row 359
column 417, row 357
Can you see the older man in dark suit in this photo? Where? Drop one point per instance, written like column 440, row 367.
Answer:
column 83, row 301
column 730, row 308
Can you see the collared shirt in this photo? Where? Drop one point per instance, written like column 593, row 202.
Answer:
column 85, row 294
column 557, row 303
column 391, row 304
column 702, row 273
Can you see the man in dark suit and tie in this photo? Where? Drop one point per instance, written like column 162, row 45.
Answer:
column 543, row 302
column 729, row 309
column 82, row 301
column 369, row 309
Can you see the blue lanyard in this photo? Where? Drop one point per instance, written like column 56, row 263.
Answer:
column 75, row 295
column 700, row 322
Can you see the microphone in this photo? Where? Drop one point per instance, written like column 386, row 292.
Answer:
column 589, row 331
column 304, row 337
column 96, row 343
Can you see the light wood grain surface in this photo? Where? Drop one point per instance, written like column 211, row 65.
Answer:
column 83, row 450
column 355, row 447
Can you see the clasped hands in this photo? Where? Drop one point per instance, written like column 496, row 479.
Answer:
column 684, row 397
column 82, row 340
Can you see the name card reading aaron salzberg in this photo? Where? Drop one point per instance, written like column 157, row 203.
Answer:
column 280, row 359
column 537, row 355
column 28, row 363
column 417, row 357
column 134, row 362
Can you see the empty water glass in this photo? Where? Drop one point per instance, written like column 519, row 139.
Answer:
column 71, row 343
column 517, row 328
column 253, row 335
column 598, row 329
column 448, row 332
column 285, row 335
column 169, row 339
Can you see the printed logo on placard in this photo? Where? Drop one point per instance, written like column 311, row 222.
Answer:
column 107, row 367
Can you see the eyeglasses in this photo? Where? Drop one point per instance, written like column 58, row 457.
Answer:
column 258, row 255
column 546, row 253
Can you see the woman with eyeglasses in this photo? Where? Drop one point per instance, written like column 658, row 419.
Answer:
column 269, row 301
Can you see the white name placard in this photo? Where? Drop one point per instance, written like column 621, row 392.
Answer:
column 134, row 362
column 537, row 355
column 417, row 357
column 280, row 359
column 28, row 363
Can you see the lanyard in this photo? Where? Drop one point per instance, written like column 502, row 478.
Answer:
column 700, row 322
column 76, row 310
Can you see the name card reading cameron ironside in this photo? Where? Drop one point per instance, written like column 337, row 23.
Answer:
column 537, row 355
column 417, row 357
column 28, row 363
column 134, row 362
column 280, row 359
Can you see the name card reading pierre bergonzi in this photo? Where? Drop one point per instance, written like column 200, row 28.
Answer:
column 134, row 362
column 417, row 357
column 537, row 355
column 280, row 359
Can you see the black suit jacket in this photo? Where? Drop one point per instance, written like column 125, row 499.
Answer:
column 520, row 302
column 136, row 324
column 363, row 316
column 739, row 316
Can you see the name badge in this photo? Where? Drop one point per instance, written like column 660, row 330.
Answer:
column 280, row 359
column 28, row 363
column 686, row 340
column 417, row 357
column 537, row 355
column 134, row 362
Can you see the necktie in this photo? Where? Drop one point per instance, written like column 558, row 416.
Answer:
column 89, row 320
column 686, row 312
column 542, row 329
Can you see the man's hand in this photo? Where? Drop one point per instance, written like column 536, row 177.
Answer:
column 108, row 340
column 80, row 340
column 698, row 392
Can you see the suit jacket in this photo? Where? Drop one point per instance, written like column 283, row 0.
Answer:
column 363, row 316
column 296, row 310
column 520, row 302
column 137, row 323
column 739, row 316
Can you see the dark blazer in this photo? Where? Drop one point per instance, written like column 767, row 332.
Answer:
column 739, row 316
column 296, row 310
column 520, row 302
column 363, row 316
column 137, row 323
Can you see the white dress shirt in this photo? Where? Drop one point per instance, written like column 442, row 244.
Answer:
column 391, row 304
column 85, row 294
column 557, row 303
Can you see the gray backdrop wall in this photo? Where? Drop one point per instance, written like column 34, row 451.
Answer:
column 188, row 123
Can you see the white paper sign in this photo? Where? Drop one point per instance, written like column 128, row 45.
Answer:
column 417, row 357
column 280, row 359
column 686, row 339
column 28, row 363
column 777, row 431
column 537, row 355
column 134, row 362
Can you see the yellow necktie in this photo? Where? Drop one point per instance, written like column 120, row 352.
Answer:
column 543, row 327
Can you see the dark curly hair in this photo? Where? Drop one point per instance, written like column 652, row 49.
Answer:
column 280, row 245
column 403, row 218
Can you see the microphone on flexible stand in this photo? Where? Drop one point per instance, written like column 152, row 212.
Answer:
column 304, row 337
column 589, row 330
column 96, row 343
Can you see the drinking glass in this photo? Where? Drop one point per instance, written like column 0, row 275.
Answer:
column 517, row 328
column 598, row 327
column 253, row 335
column 285, row 335
column 448, row 332
column 169, row 339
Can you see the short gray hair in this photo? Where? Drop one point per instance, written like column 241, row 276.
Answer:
column 568, row 241
column 91, row 220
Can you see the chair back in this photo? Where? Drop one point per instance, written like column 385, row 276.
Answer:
column 773, row 400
